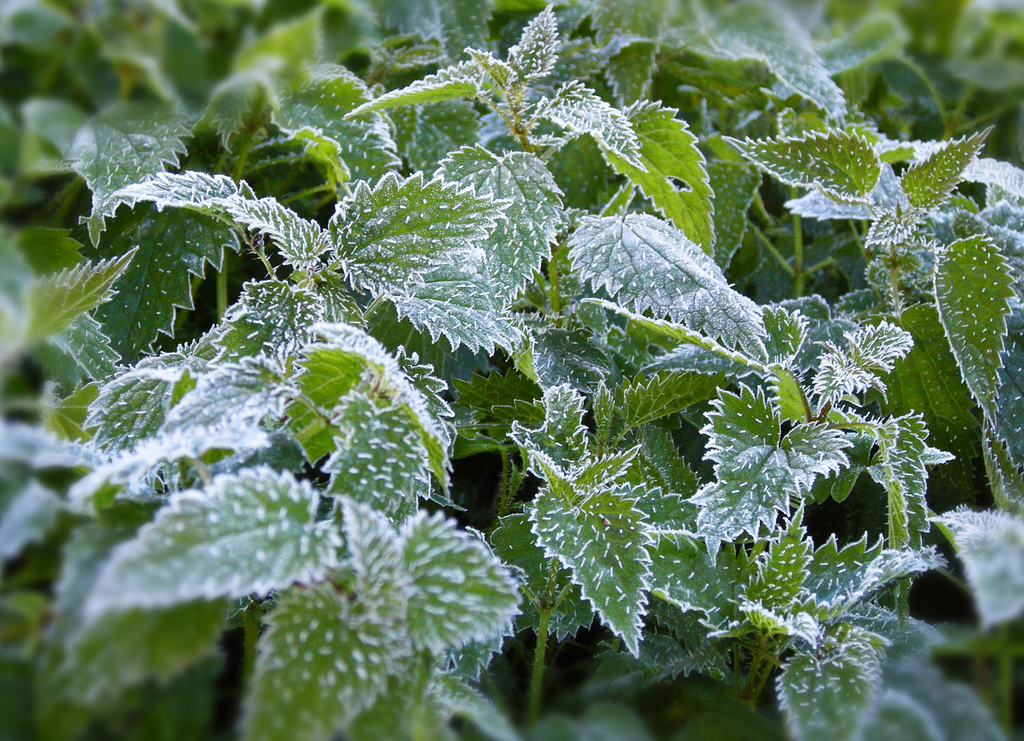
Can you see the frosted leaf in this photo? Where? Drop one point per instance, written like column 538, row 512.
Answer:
column 829, row 692
column 672, row 173
column 929, row 182
column 246, row 533
column 756, row 467
column 379, row 458
column 426, row 134
column 324, row 658
column 787, row 332
column 322, row 102
column 734, row 185
column 1009, row 425
column 973, row 286
column 271, row 318
column 649, row 264
column 561, row 442
column 54, row 301
column 188, row 189
column 842, row 164
column 991, row 547
column 124, row 144
column 1002, row 178
column 899, row 466
column 879, row 35
column 886, row 195
column 576, row 108
column 778, row 582
column 684, row 574
column 386, row 236
column 455, row 23
column 869, row 352
column 602, row 540
column 520, row 243
column 28, row 518
column 537, row 51
column 645, row 399
column 459, row 591
column 463, row 80
column 612, row 18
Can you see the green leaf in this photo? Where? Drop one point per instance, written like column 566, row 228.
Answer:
column 899, row 466
column 537, row 51
column 842, row 164
column 879, row 35
column 991, row 547
column 459, row 591
column 972, row 288
column 734, row 186
column 507, row 397
column 28, row 518
column 613, row 18
column 54, row 301
column 520, row 243
column 576, row 108
column 148, row 291
column 426, row 134
column 758, row 469
column 601, row 540
column 124, row 144
column 929, row 182
column 561, row 442
column 647, row 399
column 684, row 574
column 116, row 651
column 247, row 533
column 457, row 23
column 322, row 102
column 870, row 351
column 325, row 658
column 463, row 80
column 1009, row 425
column 387, row 236
column 631, row 68
column 828, row 693
column 648, row 264
column 379, row 458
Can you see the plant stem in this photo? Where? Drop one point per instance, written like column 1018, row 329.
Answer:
column 799, row 274
column 251, row 626
column 222, row 286
column 537, row 678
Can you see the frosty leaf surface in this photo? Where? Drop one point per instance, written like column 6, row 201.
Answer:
column 899, row 466
column 647, row 399
column 672, row 173
column 991, row 547
column 734, row 185
column 245, row 533
column 842, row 164
column 28, row 518
column 650, row 265
column 463, row 80
column 270, row 317
column 928, row 183
column 973, row 286
column 124, row 144
column 869, row 352
column 1010, row 401
column 561, row 442
column 601, row 540
column 537, row 51
column 519, row 243
column 459, row 591
column 579, row 110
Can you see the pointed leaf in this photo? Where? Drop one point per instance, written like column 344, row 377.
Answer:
column 576, row 108
column 537, row 51
column 647, row 399
column 928, row 183
column 463, row 80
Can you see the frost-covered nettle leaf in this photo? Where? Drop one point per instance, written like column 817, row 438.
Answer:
column 768, row 32
column 28, row 518
column 462, row 80
column 270, row 318
column 124, row 144
column 645, row 399
column 379, row 458
column 879, row 35
column 506, row 398
column 734, row 185
column 191, row 189
column 560, row 443
column 780, row 572
column 348, row 358
column 870, row 351
column 786, row 334
column 245, row 392
column 757, row 468
column 246, row 533
column 1010, row 402
column 841, row 164
column 322, row 102
column 973, row 286
column 1004, row 181
column 672, row 171
column 579, row 110
column 55, row 301
column 456, row 23
column 459, row 302
column 886, row 197
column 116, row 651
column 649, row 264
column 149, row 290
column 386, row 236
column 324, row 658
column 828, row 692
column 133, row 406
column 991, row 546
column 537, row 51
column 929, row 182
column 899, row 466
column 458, row 590
column 79, row 352
column 613, row 18
column 520, row 243
column 426, row 134
column 599, row 535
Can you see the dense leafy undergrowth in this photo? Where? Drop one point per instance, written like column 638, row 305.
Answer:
column 347, row 349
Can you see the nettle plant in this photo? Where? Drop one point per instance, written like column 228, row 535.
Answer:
column 279, row 487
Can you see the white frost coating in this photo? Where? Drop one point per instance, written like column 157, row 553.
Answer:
column 204, row 544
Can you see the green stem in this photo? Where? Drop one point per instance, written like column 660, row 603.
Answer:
column 537, row 679
column 773, row 250
column 799, row 274
column 222, row 286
